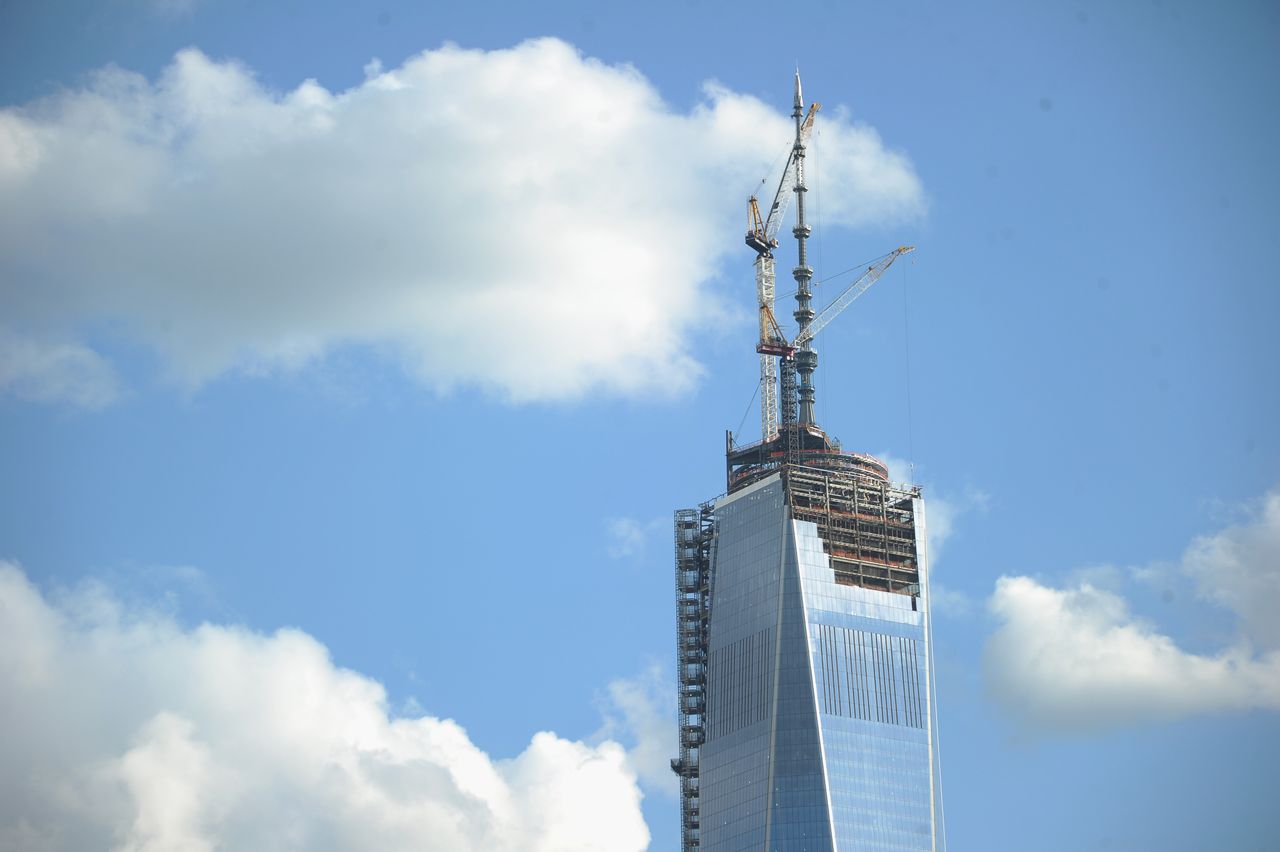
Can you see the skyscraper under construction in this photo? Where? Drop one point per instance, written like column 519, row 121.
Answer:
column 803, row 640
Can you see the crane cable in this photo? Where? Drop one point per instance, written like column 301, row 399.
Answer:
column 906, row 337
column 821, row 348
column 764, row 181
column 911, row 455
column 745, row 414
column 857, row 267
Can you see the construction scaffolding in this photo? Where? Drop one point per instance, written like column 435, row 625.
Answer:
column 694, row 539
column 866, row 524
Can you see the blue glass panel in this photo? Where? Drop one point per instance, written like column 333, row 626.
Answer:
column 799, row 816
column 869, row 655
column 734, row 762
column 817, row 696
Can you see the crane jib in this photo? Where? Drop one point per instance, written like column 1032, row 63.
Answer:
column 853, row 291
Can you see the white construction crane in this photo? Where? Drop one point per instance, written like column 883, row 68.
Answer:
column 853, row 291
column 778, row 345
column 796, row 358
column 762, row 237
column 785, row 351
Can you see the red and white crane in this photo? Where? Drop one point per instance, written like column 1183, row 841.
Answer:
column 774, row 348
column 762, row 237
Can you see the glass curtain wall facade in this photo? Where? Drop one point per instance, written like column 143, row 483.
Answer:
column 817, row 732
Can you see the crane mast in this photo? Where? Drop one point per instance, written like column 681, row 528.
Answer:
column 769, row 336
column 792, row 363
column 762, row 237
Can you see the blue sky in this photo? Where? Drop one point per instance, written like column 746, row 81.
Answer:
column 394, row 377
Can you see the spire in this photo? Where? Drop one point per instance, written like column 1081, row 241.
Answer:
column 806, row 360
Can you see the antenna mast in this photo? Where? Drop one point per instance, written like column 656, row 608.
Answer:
column 788, row 431
column 806, row 360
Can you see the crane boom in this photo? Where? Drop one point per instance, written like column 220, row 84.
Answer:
column 768, row 330
column 853, row 291
column 790, row 406
column 762, row 233
column 787, row 186
column 762, row 238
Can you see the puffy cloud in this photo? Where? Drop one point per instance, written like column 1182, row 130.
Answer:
column 948, row 601
column 1076, row 658
column 626, row 537
column 528, row 220
column 641, row 711
column 940, row 522
column 941, row 515
column 126, row 731
column 630, row 538
column 55, row 371
column 1240, row 569
column 941, row 512
column 883, row 182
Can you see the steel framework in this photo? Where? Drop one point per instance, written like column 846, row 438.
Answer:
column 694, row 539
column 867, row 525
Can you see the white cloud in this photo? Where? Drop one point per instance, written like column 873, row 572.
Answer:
column 941, row 512
column 851, row 154
column 529, row 221
column 1239, row 568
column 48, row 371
column 940, row 522
column 626, row 537
column 949, row 601
column 629, row 538
column 125, row 731
column 640, row 711
column 1076, row 658
column 941, row 516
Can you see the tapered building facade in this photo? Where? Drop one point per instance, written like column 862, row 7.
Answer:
column 805, row 664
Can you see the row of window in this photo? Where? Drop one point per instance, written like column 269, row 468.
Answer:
column 869, row 676
column 741, row 683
